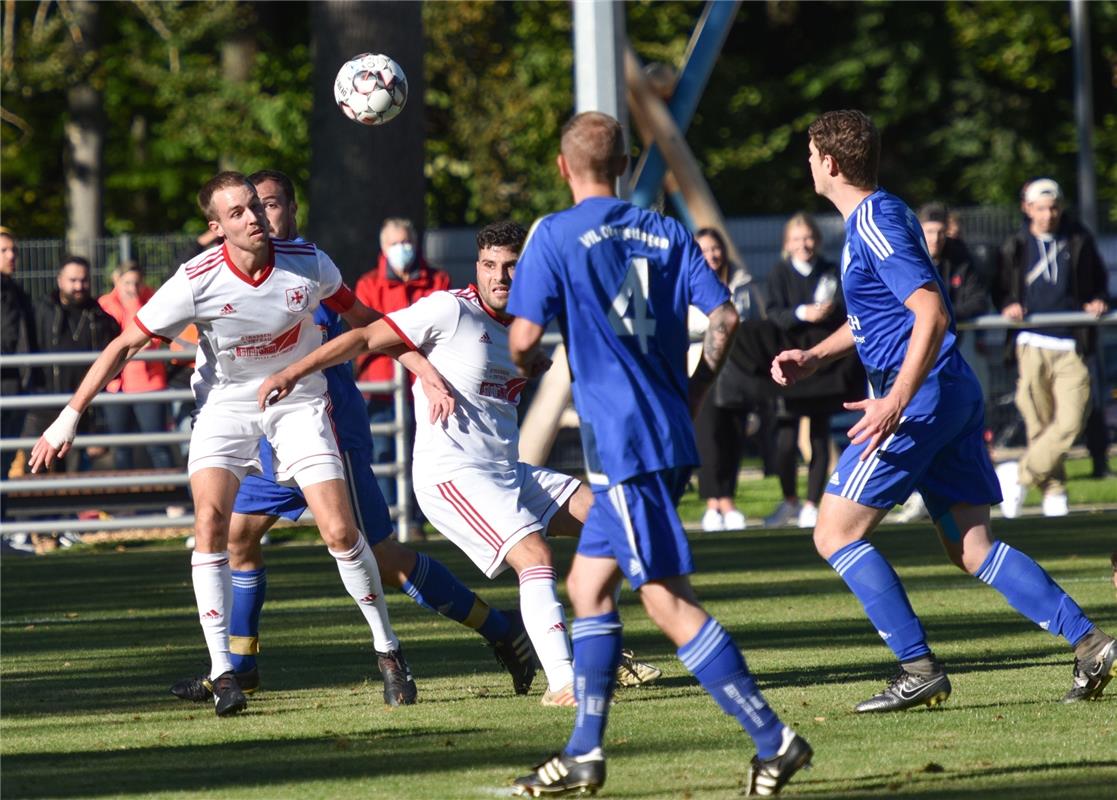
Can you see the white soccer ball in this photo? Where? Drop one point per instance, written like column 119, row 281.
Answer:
column 370, row 88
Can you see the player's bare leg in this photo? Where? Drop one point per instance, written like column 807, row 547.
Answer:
column 966, row 534
column 214, row 490
column 568, row 520
column 543, row 616
column 329, row 502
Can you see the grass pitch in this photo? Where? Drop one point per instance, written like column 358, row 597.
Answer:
column 92, row 639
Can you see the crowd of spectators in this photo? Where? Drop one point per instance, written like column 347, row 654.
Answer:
column 1050, row 264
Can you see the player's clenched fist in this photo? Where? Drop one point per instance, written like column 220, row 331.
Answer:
column 791, row 366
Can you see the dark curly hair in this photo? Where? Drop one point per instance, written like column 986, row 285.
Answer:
column 502, row 234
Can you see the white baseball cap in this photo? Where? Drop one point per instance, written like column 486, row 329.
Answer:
column 1043, row 187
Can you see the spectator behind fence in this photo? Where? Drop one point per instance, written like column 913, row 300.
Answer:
column 69, row 320
column 17, row 316
column 952, row 258
column 128, row 295
column 401, row 277
column 805, row 302
column 1051, row 265
column 720, row 427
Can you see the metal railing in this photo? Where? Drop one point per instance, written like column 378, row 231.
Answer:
column 92, row 482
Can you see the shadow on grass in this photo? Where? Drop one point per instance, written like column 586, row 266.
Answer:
column 237, row 764
column 1029, row 782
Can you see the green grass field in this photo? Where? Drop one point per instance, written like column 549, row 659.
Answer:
column 92, row 639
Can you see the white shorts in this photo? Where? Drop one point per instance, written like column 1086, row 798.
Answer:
column 227, row 435
column 485, row 514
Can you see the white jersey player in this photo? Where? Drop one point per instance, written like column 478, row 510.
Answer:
column 467, row 476
column 252, row 301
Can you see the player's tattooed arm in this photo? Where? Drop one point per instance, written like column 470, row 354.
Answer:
column 715, row 349
column 58, row 438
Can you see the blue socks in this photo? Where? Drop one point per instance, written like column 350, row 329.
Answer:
column 873, row 581
column 719, row 666
column 433, row 586
column 597, row 651
column 249, row 589
column 1029, row 589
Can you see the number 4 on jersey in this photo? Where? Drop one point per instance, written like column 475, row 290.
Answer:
column 629, row 314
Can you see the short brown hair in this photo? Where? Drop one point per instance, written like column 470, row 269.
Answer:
column 593, row 146
column 261, row 175
column 852, row 140
column 222, row 180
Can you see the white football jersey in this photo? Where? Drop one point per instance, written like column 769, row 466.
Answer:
column 248, row 329
column 469, row 346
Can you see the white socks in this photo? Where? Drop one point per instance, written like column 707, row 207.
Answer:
column 213, row 591
column 361, row 577
column 546, row 627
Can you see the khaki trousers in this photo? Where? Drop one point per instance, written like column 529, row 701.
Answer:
column 1053, row 395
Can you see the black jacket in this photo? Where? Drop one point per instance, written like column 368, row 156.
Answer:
column 1087, row 275
column 17, row 320
column 968, row 297
column 63, row 329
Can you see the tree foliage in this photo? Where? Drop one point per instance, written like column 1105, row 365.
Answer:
column 972, row 99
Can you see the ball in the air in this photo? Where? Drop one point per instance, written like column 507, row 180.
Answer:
column 370, row 88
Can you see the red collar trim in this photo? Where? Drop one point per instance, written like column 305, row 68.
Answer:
column 261, row 276
column 505, row 322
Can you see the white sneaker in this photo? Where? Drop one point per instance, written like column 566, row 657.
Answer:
column 1008, row 475
column 734, row 520
column 712, row 521
column 808, row 516
column 913, row 509
column 786, row 513
column 1055, row 505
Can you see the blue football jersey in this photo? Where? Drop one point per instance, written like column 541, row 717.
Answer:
column 619, row 280
column 885, row 259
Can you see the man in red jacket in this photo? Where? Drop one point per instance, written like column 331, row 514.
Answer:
column 401, row 277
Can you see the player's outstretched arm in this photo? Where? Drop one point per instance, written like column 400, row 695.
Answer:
column 715, row 348
column 791, row 366
column 378, row 336
column 882, row 415
column 57, row 439
column 359, row 315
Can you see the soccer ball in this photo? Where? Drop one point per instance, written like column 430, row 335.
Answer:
column 370, row 88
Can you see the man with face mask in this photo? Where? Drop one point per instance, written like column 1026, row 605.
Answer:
column 401, row 277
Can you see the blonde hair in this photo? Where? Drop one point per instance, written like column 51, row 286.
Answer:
column 800, row 218
column 593, row 145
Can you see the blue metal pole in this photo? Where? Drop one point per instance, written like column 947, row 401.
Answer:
column 705, row 46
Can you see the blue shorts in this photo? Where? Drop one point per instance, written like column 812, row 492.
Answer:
column 260, row 494
column 942, row 455
column 635, row 522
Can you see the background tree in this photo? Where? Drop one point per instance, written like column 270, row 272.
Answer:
column 361, row 175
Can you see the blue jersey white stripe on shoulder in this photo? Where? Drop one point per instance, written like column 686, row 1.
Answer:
column 884, row 263
column 871, row 233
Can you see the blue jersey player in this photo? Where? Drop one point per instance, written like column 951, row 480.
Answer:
column 922, row 429
column 261, row 501
column 619, row 280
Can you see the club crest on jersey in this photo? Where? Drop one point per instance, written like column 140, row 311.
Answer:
column 298, row 299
